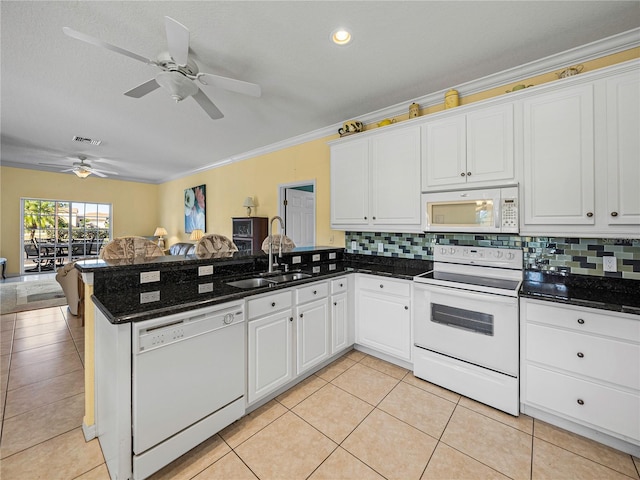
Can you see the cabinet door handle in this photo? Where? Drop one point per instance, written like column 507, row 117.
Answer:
column 291, row 319
column 365, row 218
column 406, row 308
column 381, row 286
column 315, row 292
column 462, row 174
column 468, row 174
column 273, row 304
column 589, row 214
column 580, row 355
column 580, row 401
column 614, row 214
column 341, row 285
column 335, row 304
column 373, row 218
column 301, row 315
column 581, row 321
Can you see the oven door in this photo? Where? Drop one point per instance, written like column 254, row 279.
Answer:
column 478, row 328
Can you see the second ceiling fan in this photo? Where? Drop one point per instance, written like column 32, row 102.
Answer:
column 178, row 72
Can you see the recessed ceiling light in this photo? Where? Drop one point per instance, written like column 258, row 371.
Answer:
column 341, row 36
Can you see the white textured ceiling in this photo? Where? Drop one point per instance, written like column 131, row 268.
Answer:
column 54, row 87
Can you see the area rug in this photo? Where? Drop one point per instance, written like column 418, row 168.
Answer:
column 22, row 296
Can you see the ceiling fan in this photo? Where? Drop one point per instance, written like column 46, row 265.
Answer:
column 82, row 169
column 178, row 72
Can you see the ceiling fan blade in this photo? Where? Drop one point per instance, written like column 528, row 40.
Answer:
column 143, row 89
column 207, row 105
column 99, row 43
column 67, row 170
column 178, row 40
column 52, row 165
column 231, row 84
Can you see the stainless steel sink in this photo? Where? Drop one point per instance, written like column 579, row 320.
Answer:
column 289, row 277
column 252, row 283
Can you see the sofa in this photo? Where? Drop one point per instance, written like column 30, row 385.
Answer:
column 182, row 248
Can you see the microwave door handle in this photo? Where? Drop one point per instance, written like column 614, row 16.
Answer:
column 498, row 221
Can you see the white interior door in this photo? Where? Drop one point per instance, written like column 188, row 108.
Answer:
column 300, row 218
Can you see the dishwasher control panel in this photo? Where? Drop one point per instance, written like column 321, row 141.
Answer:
column 151, row 334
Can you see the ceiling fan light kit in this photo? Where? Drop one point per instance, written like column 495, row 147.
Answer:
column 81, row 172
column 178, row 73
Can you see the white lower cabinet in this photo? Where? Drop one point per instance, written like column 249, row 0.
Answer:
column 581, row 365
column 339, row 305
column 313, row 328
column 269, row 344
column 383, row 315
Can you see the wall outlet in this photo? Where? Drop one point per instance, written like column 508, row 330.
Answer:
column 354, row 245
column 296, row 259
column 205, row 287
column 610, row 264
column 381, row 248
column 315, row 257
column 205, row 270
column 146, row 297
column 148, row 277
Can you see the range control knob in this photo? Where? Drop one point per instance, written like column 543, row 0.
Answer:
column 498, row 254
column 510, row 256
column 452, row 250
column 443, row 250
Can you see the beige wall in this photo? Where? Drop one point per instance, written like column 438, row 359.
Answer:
column 259, row 177
column 135, row 209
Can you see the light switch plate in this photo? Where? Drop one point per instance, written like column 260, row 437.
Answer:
column 381, row 248
column 354, row 245
column 296, row 259
column 148, row 277
column 609, row 264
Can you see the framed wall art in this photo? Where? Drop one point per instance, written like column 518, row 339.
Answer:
column 194, row 209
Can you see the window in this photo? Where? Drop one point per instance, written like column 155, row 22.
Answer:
column 55, row 232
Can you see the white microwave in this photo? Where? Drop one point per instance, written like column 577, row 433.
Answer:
column 491, row 210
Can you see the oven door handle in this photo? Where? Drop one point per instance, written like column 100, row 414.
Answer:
column 465, row 294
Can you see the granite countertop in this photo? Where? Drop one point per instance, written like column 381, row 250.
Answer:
column 605, row 293
column 123, row 304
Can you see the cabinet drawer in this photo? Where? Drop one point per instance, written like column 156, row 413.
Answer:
column 312, row 292
column 385, row 285
column 257, row 307
column 597, row 357
column 339, row 285
column 585, row 320
column 586, row 402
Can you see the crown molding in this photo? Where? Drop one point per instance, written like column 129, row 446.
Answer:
column 584, row 53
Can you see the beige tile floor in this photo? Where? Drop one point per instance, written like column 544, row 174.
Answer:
column 358, row 418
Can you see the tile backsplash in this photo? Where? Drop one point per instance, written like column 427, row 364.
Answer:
column 566, row 255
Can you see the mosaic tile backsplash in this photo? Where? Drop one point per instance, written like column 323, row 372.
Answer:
column 581, row 256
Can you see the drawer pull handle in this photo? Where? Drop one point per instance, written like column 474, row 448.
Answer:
column 381, row 286
column 273, row 304
column 589, row 214
column 406, row 308
column 581, row 321
column 341, row 285
column 580, row 355
column 614, row 214
column 580, row 401
column 315, row 292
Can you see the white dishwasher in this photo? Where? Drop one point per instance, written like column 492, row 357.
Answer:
column 187, row 383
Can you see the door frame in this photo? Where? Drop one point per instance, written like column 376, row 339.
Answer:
column 282, row 209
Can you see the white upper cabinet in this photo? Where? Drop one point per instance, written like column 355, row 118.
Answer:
column 581, row 155
column 559, row 157
column 623, row 149
column 375, row 181
column 474, row 148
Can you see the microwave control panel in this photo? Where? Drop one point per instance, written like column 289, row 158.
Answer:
column 509, row 211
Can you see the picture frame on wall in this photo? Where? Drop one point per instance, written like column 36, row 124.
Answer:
column 195, row 208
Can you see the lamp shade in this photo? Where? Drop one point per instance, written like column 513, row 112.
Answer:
column 160, row 231
column 248, row 202
column 196, row 234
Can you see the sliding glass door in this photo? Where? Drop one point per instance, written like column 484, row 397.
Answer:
column 55, row 232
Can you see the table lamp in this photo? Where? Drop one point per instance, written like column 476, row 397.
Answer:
column 196, row 234
column 248, row 203
column 160, row 231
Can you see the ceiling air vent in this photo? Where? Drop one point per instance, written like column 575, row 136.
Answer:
column 87, row 140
